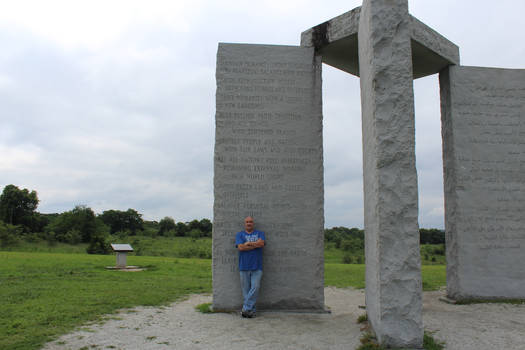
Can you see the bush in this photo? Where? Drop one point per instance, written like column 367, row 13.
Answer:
column 347, row 259
column 166, row 225
column 195, row 233
column 439, row 250
column 80, row 220
column 99, row 244
column 9, row 234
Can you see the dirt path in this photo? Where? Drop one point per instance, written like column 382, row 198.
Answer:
column 179, row 326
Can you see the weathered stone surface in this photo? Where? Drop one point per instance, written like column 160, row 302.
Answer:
column 269, row 164
column 483, row 126
column 336, row 41
column 393, row 264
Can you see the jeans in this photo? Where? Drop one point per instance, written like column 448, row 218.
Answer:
column 250, row 284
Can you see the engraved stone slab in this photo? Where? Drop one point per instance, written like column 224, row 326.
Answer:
column 393, row 264
column 268, row 164
column 483, row 126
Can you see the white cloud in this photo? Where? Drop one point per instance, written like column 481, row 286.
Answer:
column 111, row 103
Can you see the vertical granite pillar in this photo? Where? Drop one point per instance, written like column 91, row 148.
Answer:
column 393, row 263
column 483, row 128
column 269, row 165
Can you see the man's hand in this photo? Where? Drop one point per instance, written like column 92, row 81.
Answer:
column 258, row 244
column 251, row 245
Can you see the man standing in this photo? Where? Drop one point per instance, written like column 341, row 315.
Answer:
column 250, row 243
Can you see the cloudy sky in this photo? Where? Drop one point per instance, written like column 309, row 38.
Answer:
column 111, row 103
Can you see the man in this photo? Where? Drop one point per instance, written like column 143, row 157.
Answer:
column 250, row 243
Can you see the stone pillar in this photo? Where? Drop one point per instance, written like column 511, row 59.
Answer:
column 121, row 259
column 269, row 165
column 393, row 263
column 482, row 112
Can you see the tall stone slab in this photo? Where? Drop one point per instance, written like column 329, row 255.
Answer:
column 393, row 264
column 269, row 165
column 483, row 127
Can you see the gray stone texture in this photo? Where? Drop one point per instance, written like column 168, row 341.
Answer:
column 393, row 264
column 336, row 41
column 483, row 127
column 269, row 165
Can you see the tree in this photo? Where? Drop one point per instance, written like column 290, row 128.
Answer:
column 79, row 224
column 98, row 244
column 206, row 227
column 17, row 206
column 118, row 220
column 167, row 224
column 181, row 230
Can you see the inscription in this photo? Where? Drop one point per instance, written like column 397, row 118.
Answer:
column 490, row 156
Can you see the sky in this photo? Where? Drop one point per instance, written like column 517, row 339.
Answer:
column 111, row 104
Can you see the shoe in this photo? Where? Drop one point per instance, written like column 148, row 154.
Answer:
column 244, row 314
column 251, row 314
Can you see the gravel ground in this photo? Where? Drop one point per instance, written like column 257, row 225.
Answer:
column 179, row 326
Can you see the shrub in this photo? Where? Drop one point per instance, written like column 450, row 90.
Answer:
column 347, row 259
column 99, row 244
column 9, row 234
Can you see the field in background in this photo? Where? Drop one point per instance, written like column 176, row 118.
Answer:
column 43, row 295
column 187, row 247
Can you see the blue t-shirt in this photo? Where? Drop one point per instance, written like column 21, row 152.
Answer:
column 251, row 259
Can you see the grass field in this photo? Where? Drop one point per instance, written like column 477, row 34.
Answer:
column 43, row 295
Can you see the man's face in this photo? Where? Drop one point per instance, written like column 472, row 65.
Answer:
column 248, row 224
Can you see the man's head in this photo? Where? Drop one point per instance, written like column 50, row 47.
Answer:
column 248, row 224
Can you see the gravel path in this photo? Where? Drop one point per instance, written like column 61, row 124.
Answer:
column 179, row 326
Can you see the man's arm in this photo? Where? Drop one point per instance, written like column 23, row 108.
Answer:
column 250, row 245
column 258, row 244
column 245, row 246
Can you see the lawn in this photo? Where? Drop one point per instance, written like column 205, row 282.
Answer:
column 43, row 295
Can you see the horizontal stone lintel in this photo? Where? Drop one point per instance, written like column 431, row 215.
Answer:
column 336, row 41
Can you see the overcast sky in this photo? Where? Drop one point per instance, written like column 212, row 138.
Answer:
column 111, row 103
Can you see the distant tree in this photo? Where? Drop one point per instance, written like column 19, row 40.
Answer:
column 79, row 224
column 9, row 234
column 99, row 244
column 431, row 236
column 206, row 226
column 117, row 220
column 17, row 206
column 182, row 229
column 167, row 224
column 195, row 233
column 194, row 225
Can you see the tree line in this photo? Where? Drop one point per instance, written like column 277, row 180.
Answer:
column 19, row 219
column 344, row 237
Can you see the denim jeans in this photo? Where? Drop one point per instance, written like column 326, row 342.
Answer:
column 250, row 284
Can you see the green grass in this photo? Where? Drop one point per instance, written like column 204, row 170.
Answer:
column 429, row 254
column 204, row 308
column 490, row 301
column 369, row 342
column 429, row 343
column 177, row 247
column 45, row 247
column 362, row 318
column 352, row 275
column 44, row 295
